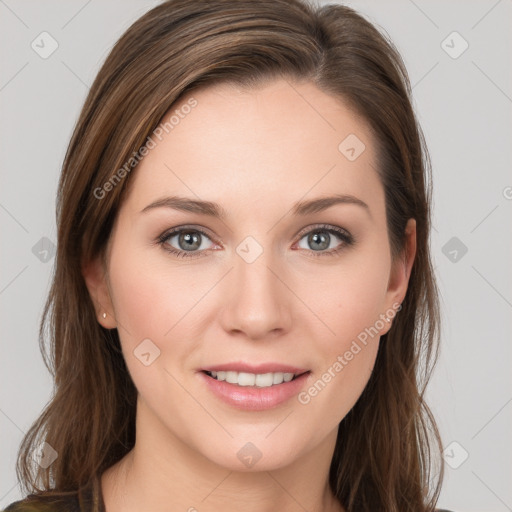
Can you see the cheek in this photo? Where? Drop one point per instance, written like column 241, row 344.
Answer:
column 351, row 298
column 150, row 295
column 350, row 302
column 154, row 300
column 139, row 302
column 148, row 305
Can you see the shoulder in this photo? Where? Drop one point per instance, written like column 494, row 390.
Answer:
column 47, row 502
column 41, row 503
column 86, row 498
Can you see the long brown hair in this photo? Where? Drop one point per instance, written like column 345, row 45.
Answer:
column 388, row 444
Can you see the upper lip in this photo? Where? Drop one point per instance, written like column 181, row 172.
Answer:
column 250, row 368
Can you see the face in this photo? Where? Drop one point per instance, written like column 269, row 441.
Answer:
column 268, row 287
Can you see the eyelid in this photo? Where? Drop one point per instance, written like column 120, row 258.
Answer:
column 327, row 227
column 185, row 227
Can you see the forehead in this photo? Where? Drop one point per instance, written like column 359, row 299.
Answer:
column 275, row 143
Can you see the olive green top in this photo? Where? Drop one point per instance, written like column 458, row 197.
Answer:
column 87, row 498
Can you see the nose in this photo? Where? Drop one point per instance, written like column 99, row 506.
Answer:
column 257, row 301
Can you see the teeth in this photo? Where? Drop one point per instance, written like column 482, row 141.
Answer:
column 264, row 380
column 278, row 378
column 232, row 377
column 260, row 380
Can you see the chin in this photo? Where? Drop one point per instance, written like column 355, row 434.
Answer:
column 253, row 453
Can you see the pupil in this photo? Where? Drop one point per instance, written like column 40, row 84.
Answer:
column 318, row 238
column 191, row 239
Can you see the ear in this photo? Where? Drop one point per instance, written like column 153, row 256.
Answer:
column 401, row 272
column 95, row 277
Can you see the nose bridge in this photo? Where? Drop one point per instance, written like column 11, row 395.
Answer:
column 257, row 301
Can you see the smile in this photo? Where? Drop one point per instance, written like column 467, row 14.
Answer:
column 260, row 380
column 258, row 390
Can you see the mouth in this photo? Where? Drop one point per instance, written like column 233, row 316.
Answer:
column 254, row 388
column 258, row 380
column 254, row 391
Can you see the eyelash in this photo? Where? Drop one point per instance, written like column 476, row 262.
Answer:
column 344, row 235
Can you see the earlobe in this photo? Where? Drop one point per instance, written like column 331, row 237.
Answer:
column 95, row 278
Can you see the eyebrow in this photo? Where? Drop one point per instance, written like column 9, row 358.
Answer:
column 211, row 209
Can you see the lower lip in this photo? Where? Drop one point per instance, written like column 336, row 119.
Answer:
column 253, row 398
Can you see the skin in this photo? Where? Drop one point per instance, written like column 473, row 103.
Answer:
column 255, row 152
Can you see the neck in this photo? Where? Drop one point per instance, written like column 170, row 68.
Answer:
column 162, row 470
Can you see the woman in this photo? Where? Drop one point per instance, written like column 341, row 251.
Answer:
column 244, row 313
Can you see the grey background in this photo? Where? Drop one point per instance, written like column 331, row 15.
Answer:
column 464, row 106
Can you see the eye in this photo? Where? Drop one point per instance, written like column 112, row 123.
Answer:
column 321, row 238
column 190, row 242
